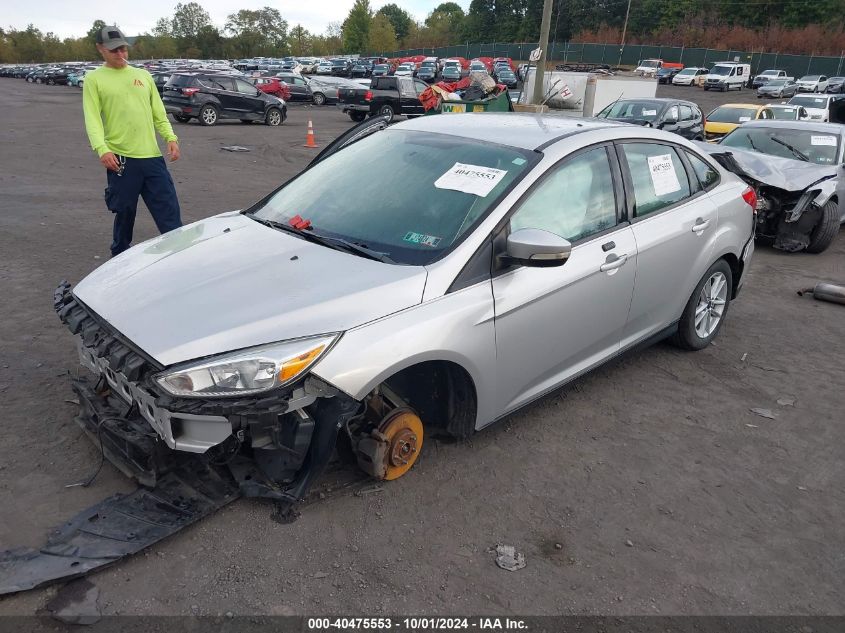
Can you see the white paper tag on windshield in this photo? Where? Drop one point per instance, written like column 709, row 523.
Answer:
column 470, row 179
column 663, row 176
column 743, row 119
column 649, row 112
column 823, row 140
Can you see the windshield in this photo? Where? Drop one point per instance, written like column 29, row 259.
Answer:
column 633, row 110
column 819, row 103
column 687, row 71
column 785, row 114
column 727, row 114
column 816, row 147
column 810, row 78
column 721, row 70
column 412, row 224
column 381, row 67
column 769, row 73
column 774, row 83
column 649, row 63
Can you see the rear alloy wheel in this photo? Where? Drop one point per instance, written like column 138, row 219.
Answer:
column 208, row 115
column 181, row 118
column 705, row 311
column 825, row 231
column 274, row 117
column 387, row 112
column 319, row 98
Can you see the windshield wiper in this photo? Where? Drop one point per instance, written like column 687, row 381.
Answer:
column 796, row 152
column 355, row 247
column 336, row 243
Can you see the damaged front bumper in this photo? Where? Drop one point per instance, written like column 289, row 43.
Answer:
column 272, row 446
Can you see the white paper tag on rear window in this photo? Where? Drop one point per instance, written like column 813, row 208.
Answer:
column 663, row 176
column 823, row 140
column 470, row 179
column 743, row 119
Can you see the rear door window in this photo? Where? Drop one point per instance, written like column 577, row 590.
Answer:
column 657, row 175
column 704, row 172
column 244, row 88
column 224, row 83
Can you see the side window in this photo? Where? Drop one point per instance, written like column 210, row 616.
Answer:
column 245, row 88
column 420, row 86
column 658, row 177
column 686, row 113
column 706, row 174
column 739, row 70
column 225, row 83
column 574, row 201
column 299, row 82
column 673, row 115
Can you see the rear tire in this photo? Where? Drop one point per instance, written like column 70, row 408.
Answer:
column 387, row 112
column 208, row 115
column 319, row 98
column 706, row 309
column 826, row 230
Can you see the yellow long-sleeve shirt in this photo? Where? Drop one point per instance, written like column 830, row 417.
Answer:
column 123, row 110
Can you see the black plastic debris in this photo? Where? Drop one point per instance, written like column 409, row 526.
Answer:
column 117, row 527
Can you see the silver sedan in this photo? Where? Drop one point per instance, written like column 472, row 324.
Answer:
column 433, row 276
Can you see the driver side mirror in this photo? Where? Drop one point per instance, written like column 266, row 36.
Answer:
column 536, row 248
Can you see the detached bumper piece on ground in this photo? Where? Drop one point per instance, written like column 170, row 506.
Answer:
column 119, row 526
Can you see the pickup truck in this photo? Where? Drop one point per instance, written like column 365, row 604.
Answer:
column 386, row 96
column 651, row 66
column 767, row 75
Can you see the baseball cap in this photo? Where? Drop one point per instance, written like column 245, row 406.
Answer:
column 111, row 37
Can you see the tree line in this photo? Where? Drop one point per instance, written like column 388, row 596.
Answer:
column 787, row 26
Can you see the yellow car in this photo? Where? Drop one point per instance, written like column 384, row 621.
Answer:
column 729, row 116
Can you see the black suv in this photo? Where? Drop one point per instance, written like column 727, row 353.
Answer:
column 209, row 97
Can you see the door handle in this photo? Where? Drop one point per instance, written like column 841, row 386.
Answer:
column 613, row 262
column 700, row 225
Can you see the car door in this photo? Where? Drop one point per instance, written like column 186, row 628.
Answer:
column 555, row 323
column 251, row 100
column 674, row 225
column 408, row 100
column 230, row 100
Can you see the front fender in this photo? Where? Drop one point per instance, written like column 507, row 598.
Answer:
column 456, row 327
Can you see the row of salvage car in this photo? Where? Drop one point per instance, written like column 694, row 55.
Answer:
column 795, row 166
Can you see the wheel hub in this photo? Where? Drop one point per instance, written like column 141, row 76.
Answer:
column 403, row 432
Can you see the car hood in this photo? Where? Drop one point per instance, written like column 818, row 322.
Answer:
column 774, row 171
column 228, row 282
column 712, row 127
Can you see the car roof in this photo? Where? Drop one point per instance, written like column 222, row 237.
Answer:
column 523, row 130
column 657, row 100
column 753, row 106
column 826, row 128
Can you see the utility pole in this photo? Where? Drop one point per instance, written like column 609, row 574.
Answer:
column 545, row 25
column 624, row 31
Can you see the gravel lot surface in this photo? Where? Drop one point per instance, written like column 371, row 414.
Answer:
column 646, row 487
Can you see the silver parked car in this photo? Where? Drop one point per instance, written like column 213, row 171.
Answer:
column 346, row 311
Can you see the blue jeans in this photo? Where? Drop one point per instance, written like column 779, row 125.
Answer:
column 148, row 178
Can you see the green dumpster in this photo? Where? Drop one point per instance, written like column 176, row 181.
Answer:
column 498, row 103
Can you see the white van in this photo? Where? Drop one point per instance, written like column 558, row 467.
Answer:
column 727, row 75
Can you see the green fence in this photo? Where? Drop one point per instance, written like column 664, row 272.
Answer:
column 613, row 54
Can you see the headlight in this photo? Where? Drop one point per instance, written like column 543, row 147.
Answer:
column 246, row 371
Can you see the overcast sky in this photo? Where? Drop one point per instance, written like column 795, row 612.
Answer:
column 73, row 18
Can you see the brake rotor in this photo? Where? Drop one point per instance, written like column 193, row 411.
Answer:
column 403, row 431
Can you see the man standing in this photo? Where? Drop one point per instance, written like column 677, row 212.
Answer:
column 123, row 110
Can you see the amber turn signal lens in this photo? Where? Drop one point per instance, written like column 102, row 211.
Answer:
column 295, row 365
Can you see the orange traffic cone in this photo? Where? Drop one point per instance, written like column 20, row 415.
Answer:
column 309, row 138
